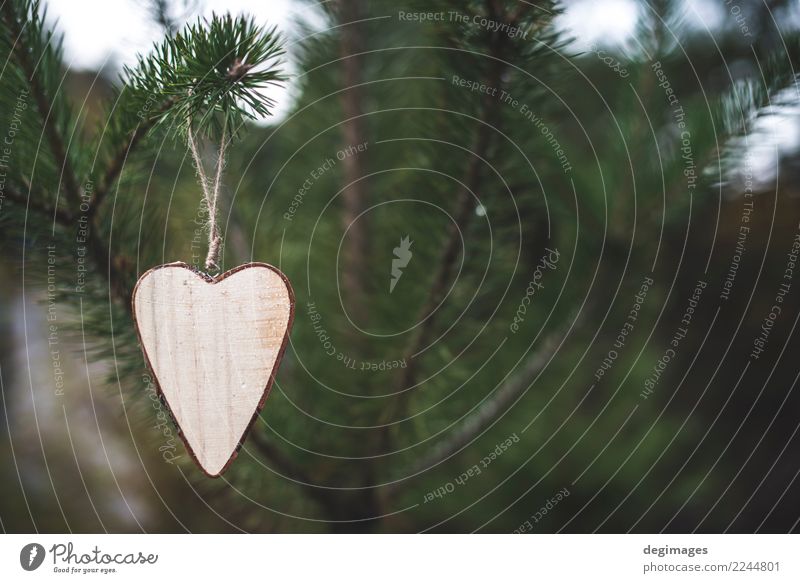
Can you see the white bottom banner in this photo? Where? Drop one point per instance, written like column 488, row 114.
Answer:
column 400, row 558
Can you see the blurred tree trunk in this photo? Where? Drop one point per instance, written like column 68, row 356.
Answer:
column 354, row 196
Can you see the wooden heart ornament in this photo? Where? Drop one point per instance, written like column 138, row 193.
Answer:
column 214, row 345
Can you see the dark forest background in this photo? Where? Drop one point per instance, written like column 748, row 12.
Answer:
column 619, row 177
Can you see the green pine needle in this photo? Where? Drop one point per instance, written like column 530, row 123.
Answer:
column 210, row 75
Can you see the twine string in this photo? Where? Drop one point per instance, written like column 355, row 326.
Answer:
column 210, row 195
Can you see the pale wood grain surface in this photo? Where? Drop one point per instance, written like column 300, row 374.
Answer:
column 213, row 347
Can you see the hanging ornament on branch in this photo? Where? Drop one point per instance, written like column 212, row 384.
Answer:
column 214, row 341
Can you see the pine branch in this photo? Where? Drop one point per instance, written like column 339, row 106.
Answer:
column 211, row 73
column 117, row 161
column 493, row 408
column 61, row 216
column 326, row 498
column 15, row 25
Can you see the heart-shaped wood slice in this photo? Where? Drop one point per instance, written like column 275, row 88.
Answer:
column 213, row 345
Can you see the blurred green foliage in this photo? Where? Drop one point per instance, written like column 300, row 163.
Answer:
column 504, row 147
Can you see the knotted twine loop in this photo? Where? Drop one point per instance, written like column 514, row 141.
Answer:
column 210, row 196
